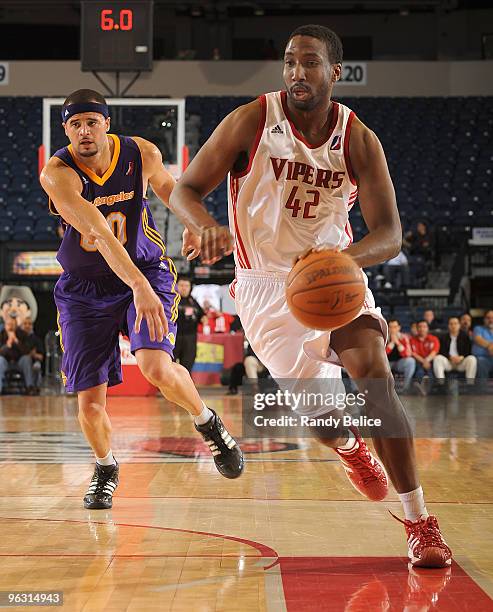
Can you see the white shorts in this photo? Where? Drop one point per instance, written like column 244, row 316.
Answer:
column 288, row 349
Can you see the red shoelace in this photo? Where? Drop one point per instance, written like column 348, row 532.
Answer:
column 426, row 531
column 362, row 460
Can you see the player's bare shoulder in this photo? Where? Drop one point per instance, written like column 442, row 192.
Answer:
column 247, row 115
column 56, row 173
column 149, row 151
column 152, row 158
column 242, row 123
column 361, row 136
column 363, row 144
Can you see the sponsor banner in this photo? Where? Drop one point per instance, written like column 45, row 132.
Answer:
column 36, row 263
column 210, row 357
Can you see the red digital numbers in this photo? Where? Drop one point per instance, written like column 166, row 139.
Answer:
column 107, row 22
column 126, row 19
column 124, row 22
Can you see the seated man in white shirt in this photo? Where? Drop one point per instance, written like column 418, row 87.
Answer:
column 455, row 354
column 396, row 271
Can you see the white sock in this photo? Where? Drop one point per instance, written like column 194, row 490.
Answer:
column 413, row 503
column 351, row 444
column 204, row 416
column 108, row 460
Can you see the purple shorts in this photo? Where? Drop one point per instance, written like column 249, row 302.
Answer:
column 91, row 315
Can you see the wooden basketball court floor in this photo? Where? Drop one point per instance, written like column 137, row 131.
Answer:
column 290, row 534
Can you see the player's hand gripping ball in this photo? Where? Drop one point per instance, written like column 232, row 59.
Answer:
column 325, row 290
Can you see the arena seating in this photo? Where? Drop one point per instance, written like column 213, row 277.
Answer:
column 440, row 154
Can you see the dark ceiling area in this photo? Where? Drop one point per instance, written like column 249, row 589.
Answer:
column 50, row 29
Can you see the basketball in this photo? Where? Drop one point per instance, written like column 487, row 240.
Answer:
column 325, row 290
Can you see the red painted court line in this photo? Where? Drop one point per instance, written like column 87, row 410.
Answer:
column 265, row 551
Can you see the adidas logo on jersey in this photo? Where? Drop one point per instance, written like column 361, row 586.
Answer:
column 277, row 129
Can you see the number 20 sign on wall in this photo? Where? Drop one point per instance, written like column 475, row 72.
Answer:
column 354, row 73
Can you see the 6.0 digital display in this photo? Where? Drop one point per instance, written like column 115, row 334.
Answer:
column 116, row 35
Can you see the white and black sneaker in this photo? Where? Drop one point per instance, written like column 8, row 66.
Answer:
column 224, row 448
column 103, row 484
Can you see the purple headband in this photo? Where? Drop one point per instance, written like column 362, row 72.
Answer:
column 85, row 107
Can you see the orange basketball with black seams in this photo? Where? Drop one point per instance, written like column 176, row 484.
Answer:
column 325, row 290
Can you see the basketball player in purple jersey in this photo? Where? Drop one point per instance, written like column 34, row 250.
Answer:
column 117, row 278
column 296, row 162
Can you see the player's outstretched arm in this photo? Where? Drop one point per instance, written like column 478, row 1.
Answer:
column 233, row 137
column 154, row 173
column 376, row 198
column 63, row 187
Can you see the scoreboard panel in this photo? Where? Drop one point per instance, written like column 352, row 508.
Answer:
column 116, row 35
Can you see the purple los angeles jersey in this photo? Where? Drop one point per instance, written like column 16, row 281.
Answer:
column 93, row 304
column 120, row 198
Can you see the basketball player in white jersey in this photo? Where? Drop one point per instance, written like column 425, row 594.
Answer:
column 297, row 161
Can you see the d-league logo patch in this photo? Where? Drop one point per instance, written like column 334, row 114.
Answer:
column 130, row 169
column 335, row 145
column 277, row 129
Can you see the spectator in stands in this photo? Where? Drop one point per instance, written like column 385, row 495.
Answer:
column 413, row 329
column 251, row 367
column 36, row 354
column 433, row 324
column 455, row 354
column 215, row 322
column 420, row 241
column 399, row 353
column 425, row 347
column 466, row 324
column 216, row 54
column 13, row 352
column 189, row 316
column 396, row 271
column 482, row 347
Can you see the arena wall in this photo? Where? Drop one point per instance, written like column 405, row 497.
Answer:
column 183, row 78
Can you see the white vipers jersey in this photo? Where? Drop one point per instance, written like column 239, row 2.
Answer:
column 292, row 195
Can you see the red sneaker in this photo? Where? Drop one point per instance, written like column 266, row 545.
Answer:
column 426, row 546
column 365, row 473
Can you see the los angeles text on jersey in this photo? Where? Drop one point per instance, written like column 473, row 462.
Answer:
column 112, row 199
column 299, row 171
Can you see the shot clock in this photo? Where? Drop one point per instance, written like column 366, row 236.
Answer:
column 116, row 35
